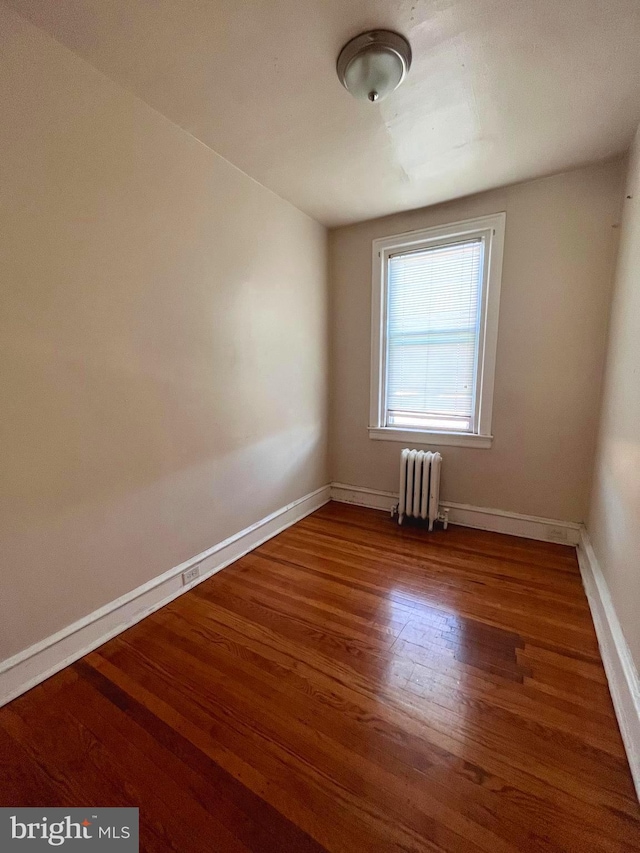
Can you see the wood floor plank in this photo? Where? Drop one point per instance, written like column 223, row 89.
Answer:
column 348, row 686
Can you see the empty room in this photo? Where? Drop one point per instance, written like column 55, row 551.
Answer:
column 320, row 426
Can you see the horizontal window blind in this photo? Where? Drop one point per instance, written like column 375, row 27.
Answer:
column 433, row 314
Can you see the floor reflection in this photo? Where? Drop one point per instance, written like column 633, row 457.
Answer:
column 437, row 653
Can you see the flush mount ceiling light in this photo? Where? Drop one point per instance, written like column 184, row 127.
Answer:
column 373, row 64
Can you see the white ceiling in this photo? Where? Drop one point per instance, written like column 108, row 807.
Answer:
column 500, row 90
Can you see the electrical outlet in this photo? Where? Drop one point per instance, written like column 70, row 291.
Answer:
column 557, row 534
column 190, row 575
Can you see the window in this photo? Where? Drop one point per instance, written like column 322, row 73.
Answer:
column 435, row 323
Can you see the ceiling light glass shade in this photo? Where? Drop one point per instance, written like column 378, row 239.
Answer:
column 373, row 64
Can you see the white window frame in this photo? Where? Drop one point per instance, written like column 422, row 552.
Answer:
column 491, row 228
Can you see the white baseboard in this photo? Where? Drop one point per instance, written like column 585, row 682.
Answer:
column 622, row 674
column 481, row 518
column 513, row 523
column 359, row 496
column 35, row 664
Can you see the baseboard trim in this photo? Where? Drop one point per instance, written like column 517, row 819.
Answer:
column 514, row 523
column 359, row 496
column 42, row 660
column 622, row 675
column 480, row 518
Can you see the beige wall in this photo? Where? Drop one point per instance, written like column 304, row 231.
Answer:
column 559, row 249
column 614, row 513
column 163, row 355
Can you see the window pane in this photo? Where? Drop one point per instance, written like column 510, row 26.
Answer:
column 434, row 298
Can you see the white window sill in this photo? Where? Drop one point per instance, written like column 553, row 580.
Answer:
column 441, row 439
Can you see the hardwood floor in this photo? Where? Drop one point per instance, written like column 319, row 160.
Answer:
column 348, row 686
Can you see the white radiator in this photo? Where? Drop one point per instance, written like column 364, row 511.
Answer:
column 420, row 486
